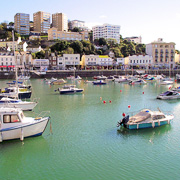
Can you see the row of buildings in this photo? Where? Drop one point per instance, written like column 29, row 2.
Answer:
column 158, row 55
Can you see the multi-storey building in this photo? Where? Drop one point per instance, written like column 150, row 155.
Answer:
column 78, row 24
column 163, row 53
column 8, row 60
column 41, row 21
column 21, row 23
column 143, row 61
column 68, row 60
column 107, row 31
column 60, row 21
column 96, row 60
column 53, row 33
column 135, row 39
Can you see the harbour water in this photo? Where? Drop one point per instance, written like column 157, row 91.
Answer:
column 85, row 143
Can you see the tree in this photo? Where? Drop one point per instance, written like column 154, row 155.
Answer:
column 77, row 46
column 69, row 50
column 102, row 42
column 76, row 29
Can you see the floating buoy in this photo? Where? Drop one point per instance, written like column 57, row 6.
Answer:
column 143, row 92
column 110, row 101
column 120, row 90
column 100, row 98
column 104, row 102
column 175, row 80
column 123, row 114
column 129, row 106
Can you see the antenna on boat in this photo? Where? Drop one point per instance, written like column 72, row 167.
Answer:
column 159, row 109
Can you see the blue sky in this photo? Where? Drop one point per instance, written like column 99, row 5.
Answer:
column 151, row 19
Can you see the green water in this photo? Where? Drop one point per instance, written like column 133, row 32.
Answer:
column 85, row 143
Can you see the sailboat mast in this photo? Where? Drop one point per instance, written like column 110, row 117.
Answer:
column 15, row 63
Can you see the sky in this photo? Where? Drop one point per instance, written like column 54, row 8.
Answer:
column 150, row 19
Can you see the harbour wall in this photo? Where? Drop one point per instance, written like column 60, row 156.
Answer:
column 87, row 73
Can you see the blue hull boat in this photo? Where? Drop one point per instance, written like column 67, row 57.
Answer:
column 145, row 119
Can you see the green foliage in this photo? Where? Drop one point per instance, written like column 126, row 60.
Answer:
column 76, row 29
column 40, row 55
column 102, row 42
column 77, row 46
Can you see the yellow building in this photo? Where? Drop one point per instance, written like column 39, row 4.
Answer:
column 60, row 21
column 163, row 53
column 53, row 34
column 41, row 21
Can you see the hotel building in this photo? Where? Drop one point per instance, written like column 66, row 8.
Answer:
column 53, row 34
column 60, row 21
column 107, row 31
column 41, row 21
column 21, row 23
column 163, row 53
column 137, row 40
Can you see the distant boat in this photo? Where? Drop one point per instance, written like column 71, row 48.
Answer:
column 22, row 77
column 101, row 77
column 17, row 103
column 99, row 82
column 145, row 118
column 169, row 95
column 69, row 89
column 59, row 82
column 14, row 92
column 139, row 81
column 14, row 125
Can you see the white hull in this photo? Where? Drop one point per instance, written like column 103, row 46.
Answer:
column 25, row 106
column 20, row 131
column 168, row 97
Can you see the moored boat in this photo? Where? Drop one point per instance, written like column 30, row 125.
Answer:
column 99, row 82
column 145, row 118
column 69, row 89
column 14, row 125
column 169, row 95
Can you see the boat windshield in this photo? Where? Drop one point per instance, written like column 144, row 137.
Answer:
column 167, row 93
column 11, row 118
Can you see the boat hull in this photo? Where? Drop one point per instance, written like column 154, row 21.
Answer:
column 147, row 125
column 25, row 106
column 23, row 131
column 71, row 91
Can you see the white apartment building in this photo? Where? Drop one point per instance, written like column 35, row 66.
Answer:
column 135, row 39
column 9, row 44
column 141, row 60
column 91, row 60
column 22, row 59
column 120, row 61
column 68, row 60
column 107, row 31
column 105, row 61
column 41, row 64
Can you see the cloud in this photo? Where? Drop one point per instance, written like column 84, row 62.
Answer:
column 178, row 15
column 102, row 17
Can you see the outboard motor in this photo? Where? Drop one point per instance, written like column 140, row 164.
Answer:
column 123, row 121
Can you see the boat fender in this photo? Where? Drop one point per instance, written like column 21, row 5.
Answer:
column 38, row 118
column 22, row 136
column 1, row 138
column 153, row 124
column 168, row 121
column 137, row 126
column 159, row 123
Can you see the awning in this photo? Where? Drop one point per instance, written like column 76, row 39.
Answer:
column 3, row 66
column 11, row 66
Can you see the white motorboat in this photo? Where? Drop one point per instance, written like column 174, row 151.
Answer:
column 169, row 95
column 145, row 118
column 139, row 81
column 69, row 89
column 13, row 92
column 101, row 77
column 14, row 125
column 166, row 82
column 22, row 77
column 17, row 103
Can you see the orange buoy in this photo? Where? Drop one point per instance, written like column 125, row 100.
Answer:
column 100, row 98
